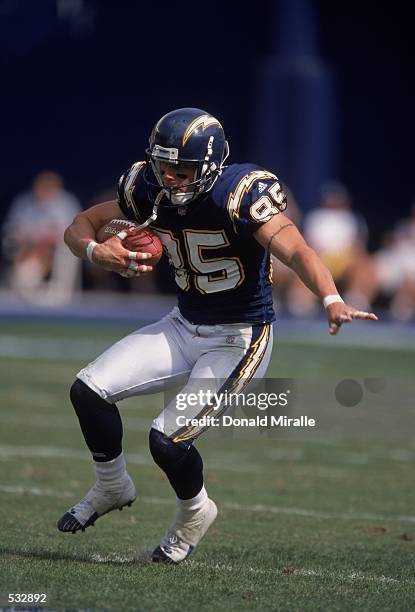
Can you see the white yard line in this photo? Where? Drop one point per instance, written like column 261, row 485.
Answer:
column 271, row 572
column 38, row 492
column 54, row 421
column 346, row 516
column 223, row 462
column 84, row 349
column 256, row 508
column 62, row 349
column 277, row 572
column 8, row 452
column 369, row 342
column 52, row 452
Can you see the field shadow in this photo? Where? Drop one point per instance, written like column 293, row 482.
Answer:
column 141, row 557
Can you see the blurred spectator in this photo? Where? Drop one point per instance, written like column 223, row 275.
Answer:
column 390, row 272
column 41, row 269
column 338, row 235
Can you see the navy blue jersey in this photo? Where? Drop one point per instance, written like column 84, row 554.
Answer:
column 222, row 272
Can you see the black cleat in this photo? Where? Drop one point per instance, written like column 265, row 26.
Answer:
column 159, row 556
column 69, row 523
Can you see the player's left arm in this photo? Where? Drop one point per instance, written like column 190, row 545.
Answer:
column 282, row 239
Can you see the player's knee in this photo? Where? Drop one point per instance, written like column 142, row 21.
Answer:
column 164, row 451
column 84, row 398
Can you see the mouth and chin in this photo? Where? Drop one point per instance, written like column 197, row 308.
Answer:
column 179, row 195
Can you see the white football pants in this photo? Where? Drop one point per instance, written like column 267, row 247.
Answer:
column 175, row 352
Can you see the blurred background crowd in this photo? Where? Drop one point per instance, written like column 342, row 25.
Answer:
column 39, row 268
column 318, row 93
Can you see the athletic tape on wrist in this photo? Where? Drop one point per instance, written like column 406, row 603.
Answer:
column 331, row 299
column 90, row 249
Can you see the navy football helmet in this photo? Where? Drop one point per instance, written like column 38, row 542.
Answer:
column 186, row 135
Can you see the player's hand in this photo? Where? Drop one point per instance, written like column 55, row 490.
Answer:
column 112, row 256
column 339, row 313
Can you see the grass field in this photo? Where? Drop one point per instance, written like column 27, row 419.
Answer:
column 321, row 520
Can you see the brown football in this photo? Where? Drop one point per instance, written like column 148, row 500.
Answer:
column 135, row 239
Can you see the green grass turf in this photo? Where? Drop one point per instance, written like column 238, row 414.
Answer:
column 308, row 520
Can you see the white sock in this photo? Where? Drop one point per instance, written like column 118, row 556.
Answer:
column 195, row 503
column 111, row 473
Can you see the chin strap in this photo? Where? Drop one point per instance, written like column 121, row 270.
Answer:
column 182, row 199
column 154, row 213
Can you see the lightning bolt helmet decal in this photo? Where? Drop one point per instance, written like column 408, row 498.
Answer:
column 204, row 121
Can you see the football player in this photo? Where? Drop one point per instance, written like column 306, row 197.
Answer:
column 218, row 225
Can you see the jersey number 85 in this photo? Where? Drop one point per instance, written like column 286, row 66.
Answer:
column 211, row 275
